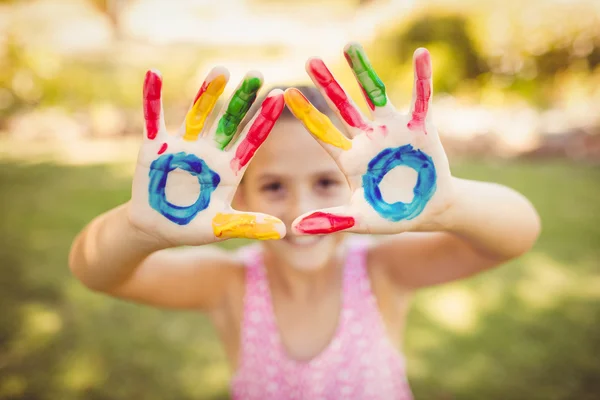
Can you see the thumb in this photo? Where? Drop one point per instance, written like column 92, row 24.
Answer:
column 246, row 225
column 327, row 220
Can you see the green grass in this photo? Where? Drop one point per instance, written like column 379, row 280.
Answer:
column 528, row 330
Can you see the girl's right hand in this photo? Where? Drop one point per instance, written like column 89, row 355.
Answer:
column 184, row 183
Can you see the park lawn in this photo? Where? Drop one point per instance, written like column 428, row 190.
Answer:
column 529, row 330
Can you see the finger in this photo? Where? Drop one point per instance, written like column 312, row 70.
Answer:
column 372, row 87
column 152, row 103
column 338, row 99
column 247, row 225
column 204, row 102
column 236, row 109
column 422, row 90
column 328, row 220
column 257, row 130
column 317, row 123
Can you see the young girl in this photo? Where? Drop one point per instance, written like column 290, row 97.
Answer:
column 312, row 314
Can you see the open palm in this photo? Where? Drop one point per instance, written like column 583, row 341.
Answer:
column 385, row 199
column 184, row 183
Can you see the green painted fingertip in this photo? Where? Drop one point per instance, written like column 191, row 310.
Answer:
column 366, row 75
column 238, row 107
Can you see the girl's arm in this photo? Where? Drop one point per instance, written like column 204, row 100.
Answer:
column 112, row 256
column 487, row 225
column 181, row 196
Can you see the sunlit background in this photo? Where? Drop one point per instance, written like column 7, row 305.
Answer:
column 516, row 99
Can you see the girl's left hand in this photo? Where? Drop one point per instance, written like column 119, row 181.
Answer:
column 385, row 199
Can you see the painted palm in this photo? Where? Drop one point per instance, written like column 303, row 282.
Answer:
column 394, row 162
column 184, row 182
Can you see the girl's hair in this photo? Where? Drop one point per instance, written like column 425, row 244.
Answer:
column 310, row 92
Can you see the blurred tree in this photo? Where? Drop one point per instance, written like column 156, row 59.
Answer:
column 441, row 34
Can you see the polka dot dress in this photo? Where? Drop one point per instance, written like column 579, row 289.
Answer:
column 360, row 362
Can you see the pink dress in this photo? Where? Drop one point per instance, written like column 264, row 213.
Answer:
column 359, row 363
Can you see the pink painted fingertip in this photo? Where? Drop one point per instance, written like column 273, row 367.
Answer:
column 422, row 63
column 151, row 102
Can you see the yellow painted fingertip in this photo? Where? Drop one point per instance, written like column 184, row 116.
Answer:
column 196, row 117
column 246, row 226
column 316, row 122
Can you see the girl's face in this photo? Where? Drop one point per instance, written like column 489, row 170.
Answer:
column 292, row 174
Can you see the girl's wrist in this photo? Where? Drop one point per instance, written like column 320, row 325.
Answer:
column 451, row 213
column 140, row 237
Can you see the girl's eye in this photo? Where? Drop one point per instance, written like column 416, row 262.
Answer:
column 327, row 183
column 271, row 187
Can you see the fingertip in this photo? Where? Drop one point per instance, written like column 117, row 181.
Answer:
column 322, row 222
column 296, row 231
column 256, row 74
column 247, row 225
column 275, row 93
column 421, row 53
column 280, row 228
column 291, row 91
column 352, row 45
column 152, row 81
column 422, row 63
column 295, row 100
column 268, row 227
column 218, row 70
column 272, row 105
column 154, row 71
column 152, row 103
column 312, row 63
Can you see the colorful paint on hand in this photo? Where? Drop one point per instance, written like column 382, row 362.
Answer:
column 372, row 87
column 316, row 122
column 152, row 103
column 270, row 110
column 383, row 163
column 159, row 172
column 236, row 110
column 204, row 103
column 332, row 89
column 247, row 226
column 422, row 90
column 163, row 148
column 323, row 223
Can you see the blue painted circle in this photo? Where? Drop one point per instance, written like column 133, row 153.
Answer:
column 383, row 163
column 159, row 171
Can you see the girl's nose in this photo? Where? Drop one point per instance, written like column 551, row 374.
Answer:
column 303, row 202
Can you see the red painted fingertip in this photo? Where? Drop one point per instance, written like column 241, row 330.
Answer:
column 152, row 92
column 321, row 73
column 270, row 110
column 335, row 93
column 323, row 223
column 272, row 106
